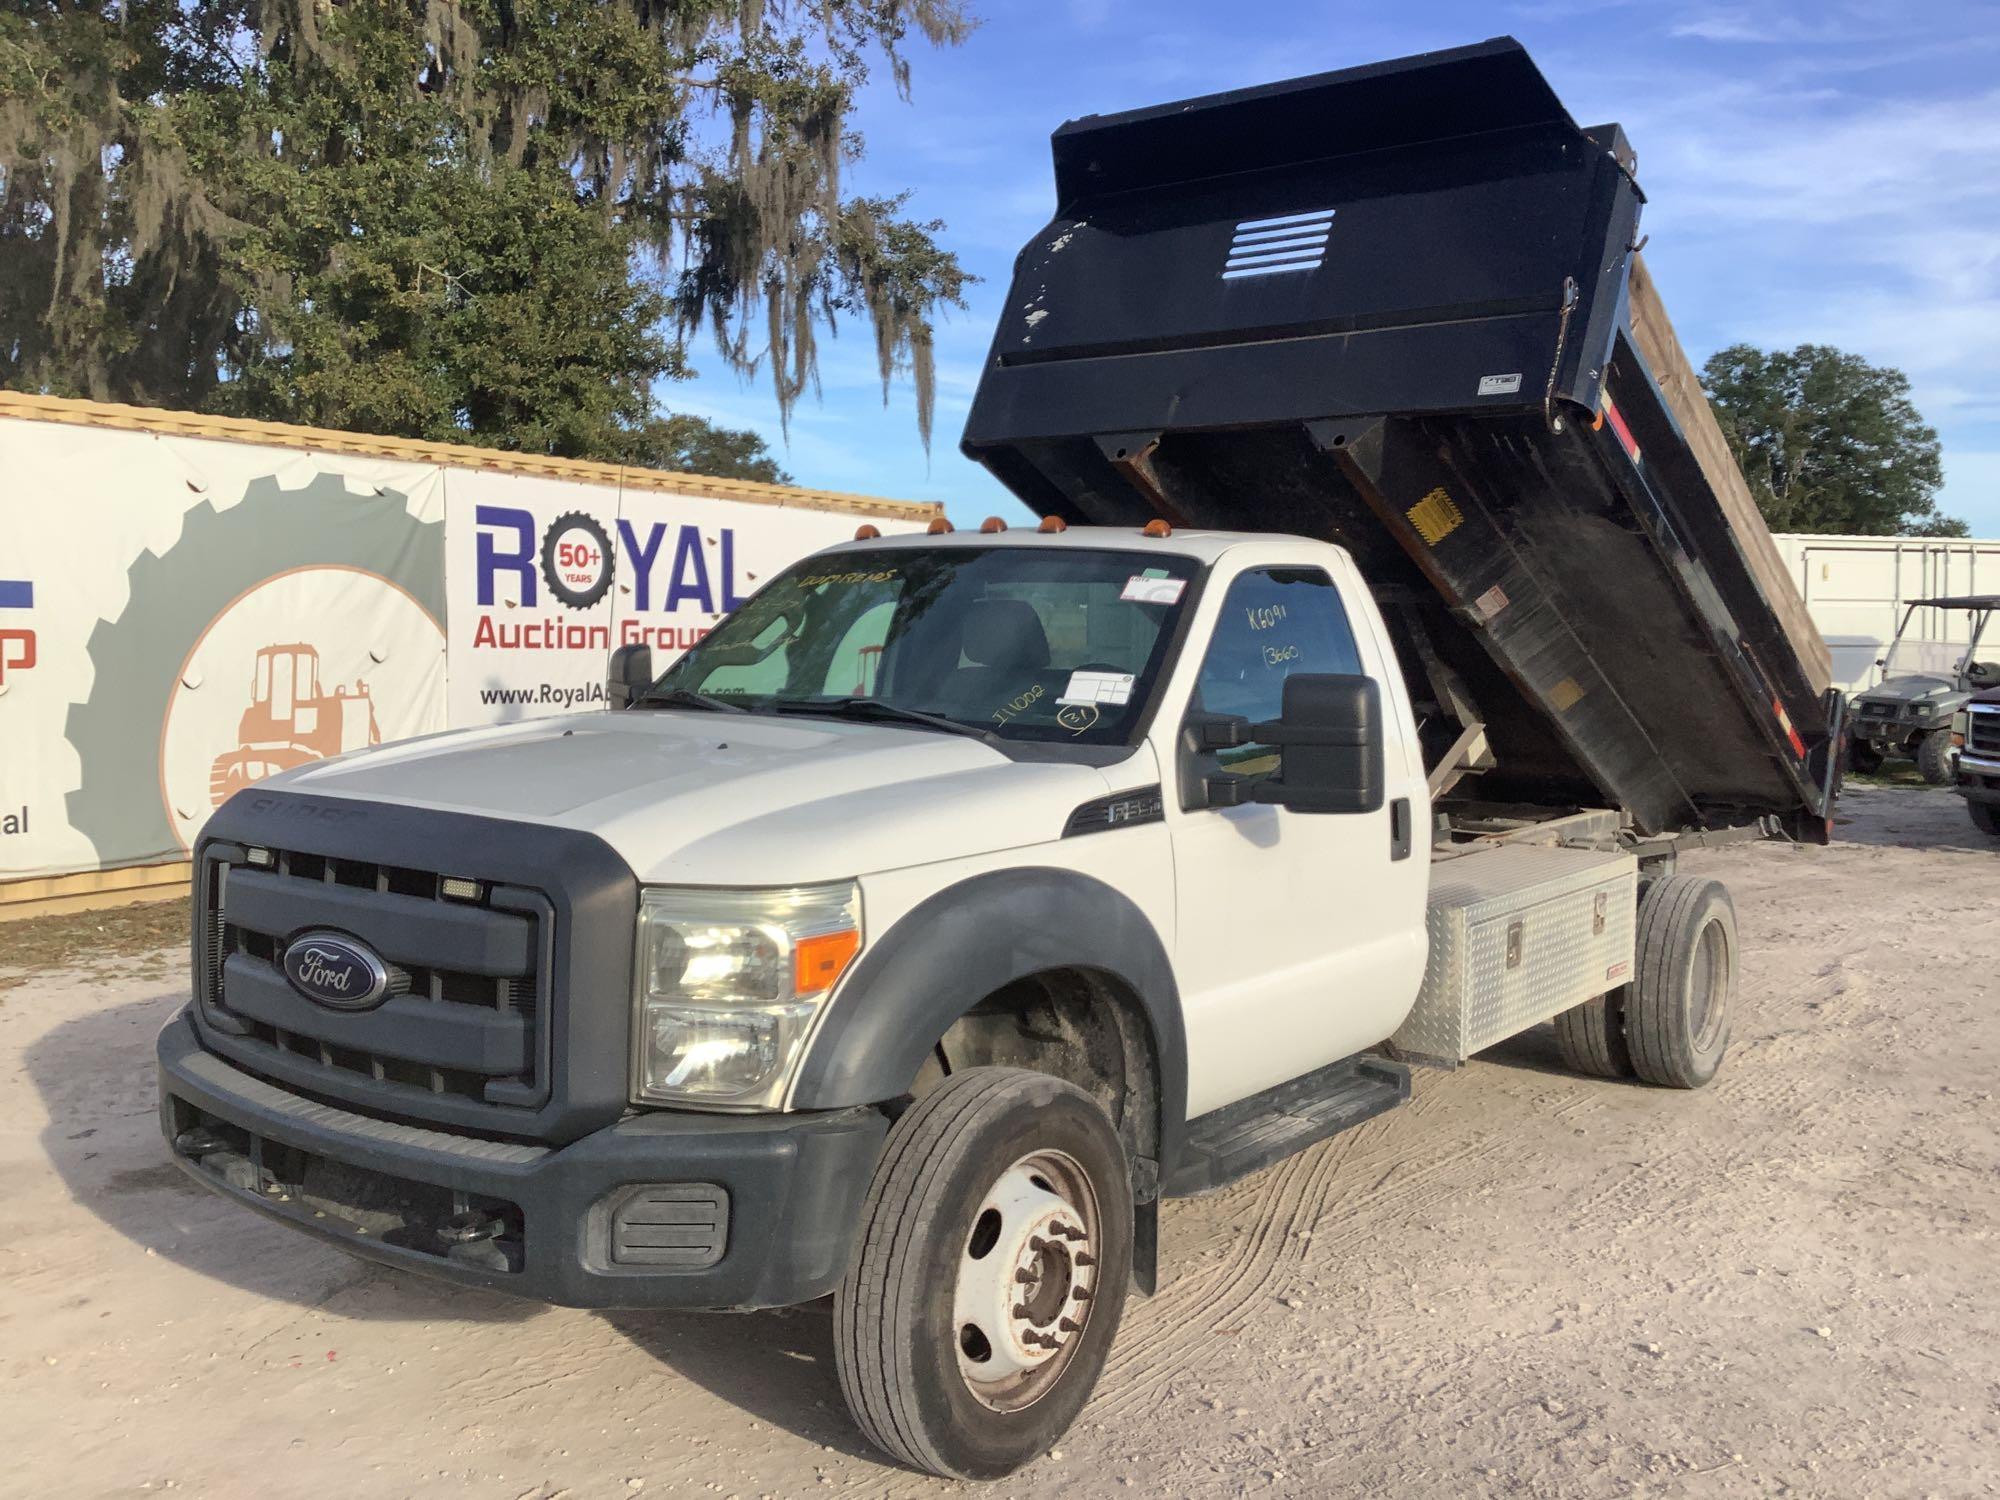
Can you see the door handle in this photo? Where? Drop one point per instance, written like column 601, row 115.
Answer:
column 1400, row 833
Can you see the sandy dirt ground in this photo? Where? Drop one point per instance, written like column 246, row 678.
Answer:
column 1525, row 1283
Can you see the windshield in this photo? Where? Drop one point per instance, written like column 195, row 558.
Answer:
column 1933, row 643
column 1025, row 643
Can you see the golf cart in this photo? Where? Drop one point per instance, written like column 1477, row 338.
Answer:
column 1924, row 683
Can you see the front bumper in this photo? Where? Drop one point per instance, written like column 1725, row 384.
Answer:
column 1978, row 778
column 791, row 1186
column 1891, row 735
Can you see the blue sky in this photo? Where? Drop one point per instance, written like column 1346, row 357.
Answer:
column 1815, row 172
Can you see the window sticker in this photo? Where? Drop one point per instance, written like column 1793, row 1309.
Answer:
column 1145, row 590
column 1098, row 687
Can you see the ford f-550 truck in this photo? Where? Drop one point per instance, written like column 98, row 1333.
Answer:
column 964, row 895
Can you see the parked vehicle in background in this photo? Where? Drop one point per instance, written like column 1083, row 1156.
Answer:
column 1924, row 685
column 1976, row 733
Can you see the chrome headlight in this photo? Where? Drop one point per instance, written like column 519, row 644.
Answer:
column 728, row 986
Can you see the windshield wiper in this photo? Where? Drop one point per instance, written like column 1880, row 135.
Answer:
column 877, row 709
column 685, row 698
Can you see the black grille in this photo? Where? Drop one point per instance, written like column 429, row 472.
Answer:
column 1984, row 735
column 465, row 1013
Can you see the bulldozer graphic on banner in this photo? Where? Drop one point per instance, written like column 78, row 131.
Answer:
column 290, row 721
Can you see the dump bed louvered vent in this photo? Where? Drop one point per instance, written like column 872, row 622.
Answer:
column 1268, row 247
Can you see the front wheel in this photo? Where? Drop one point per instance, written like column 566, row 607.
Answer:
column 1985, row 816
column 991, row 1273
column 1934, row 758
column 1863, row 758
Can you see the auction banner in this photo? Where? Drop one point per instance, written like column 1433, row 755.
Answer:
column 182, row 616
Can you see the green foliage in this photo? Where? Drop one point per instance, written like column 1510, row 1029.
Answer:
column 1829, row 442
column 696, row 447
column 466, row 220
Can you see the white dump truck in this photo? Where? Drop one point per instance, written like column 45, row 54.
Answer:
column 963, row 895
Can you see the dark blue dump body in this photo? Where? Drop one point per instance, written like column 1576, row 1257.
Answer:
column 1387, row 307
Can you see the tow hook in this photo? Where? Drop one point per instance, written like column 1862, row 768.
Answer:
column 471, row 1239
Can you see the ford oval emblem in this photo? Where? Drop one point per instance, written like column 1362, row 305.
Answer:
column 337, row 972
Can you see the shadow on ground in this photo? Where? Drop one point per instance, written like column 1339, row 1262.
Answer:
column 776, row 1365
column 1909, row 818
column 95, row 1074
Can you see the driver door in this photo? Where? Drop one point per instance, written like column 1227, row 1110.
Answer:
column 1299, row 936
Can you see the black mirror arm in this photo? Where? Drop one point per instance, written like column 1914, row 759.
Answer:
column 1225, row 734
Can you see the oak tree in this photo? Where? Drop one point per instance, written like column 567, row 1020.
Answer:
column 489, row 221
column 1829, row 442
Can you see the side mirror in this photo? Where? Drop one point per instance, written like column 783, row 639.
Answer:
column 629, row 674
column 1329, row 736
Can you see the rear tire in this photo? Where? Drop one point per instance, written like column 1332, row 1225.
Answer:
column 1934, row 758
column 1591, row 1037
column 999, row 1217
column 1985, row 817
column 1677, row 1013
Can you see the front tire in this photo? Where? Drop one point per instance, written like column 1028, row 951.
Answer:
column 1863, row 758
column 991, row 1273
column 1934, row 758
column 1985, row 817
column 1677, row 1011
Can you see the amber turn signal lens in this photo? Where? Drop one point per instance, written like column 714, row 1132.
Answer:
column 819, row 961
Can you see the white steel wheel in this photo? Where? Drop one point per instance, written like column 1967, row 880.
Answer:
column 989, row 1275
column 1025, row 1281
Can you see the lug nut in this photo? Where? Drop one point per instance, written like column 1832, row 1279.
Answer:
column 1068, row 1325
column 1024, row 1277
column 1038, row 1244
column 1085, row 1258
column 1020, row 1310
column 1081, row 1293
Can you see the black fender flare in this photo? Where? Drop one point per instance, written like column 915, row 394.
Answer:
column 968, row 940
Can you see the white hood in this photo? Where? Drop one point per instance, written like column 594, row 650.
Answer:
column 728, row 799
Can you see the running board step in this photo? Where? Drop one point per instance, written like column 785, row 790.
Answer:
column 1252, row 1133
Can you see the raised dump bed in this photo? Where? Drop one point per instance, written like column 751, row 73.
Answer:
column 1394, row 308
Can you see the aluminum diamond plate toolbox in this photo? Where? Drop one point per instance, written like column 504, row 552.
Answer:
column 1519, row 934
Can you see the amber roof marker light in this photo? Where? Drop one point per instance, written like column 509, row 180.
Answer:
column 866, row 533
column 938, row 527
column 991, row 526
column 1157, row 528
column 1052, row 525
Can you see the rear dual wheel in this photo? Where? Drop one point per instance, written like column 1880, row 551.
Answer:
column 995, row 1253
column 1670, row 1025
